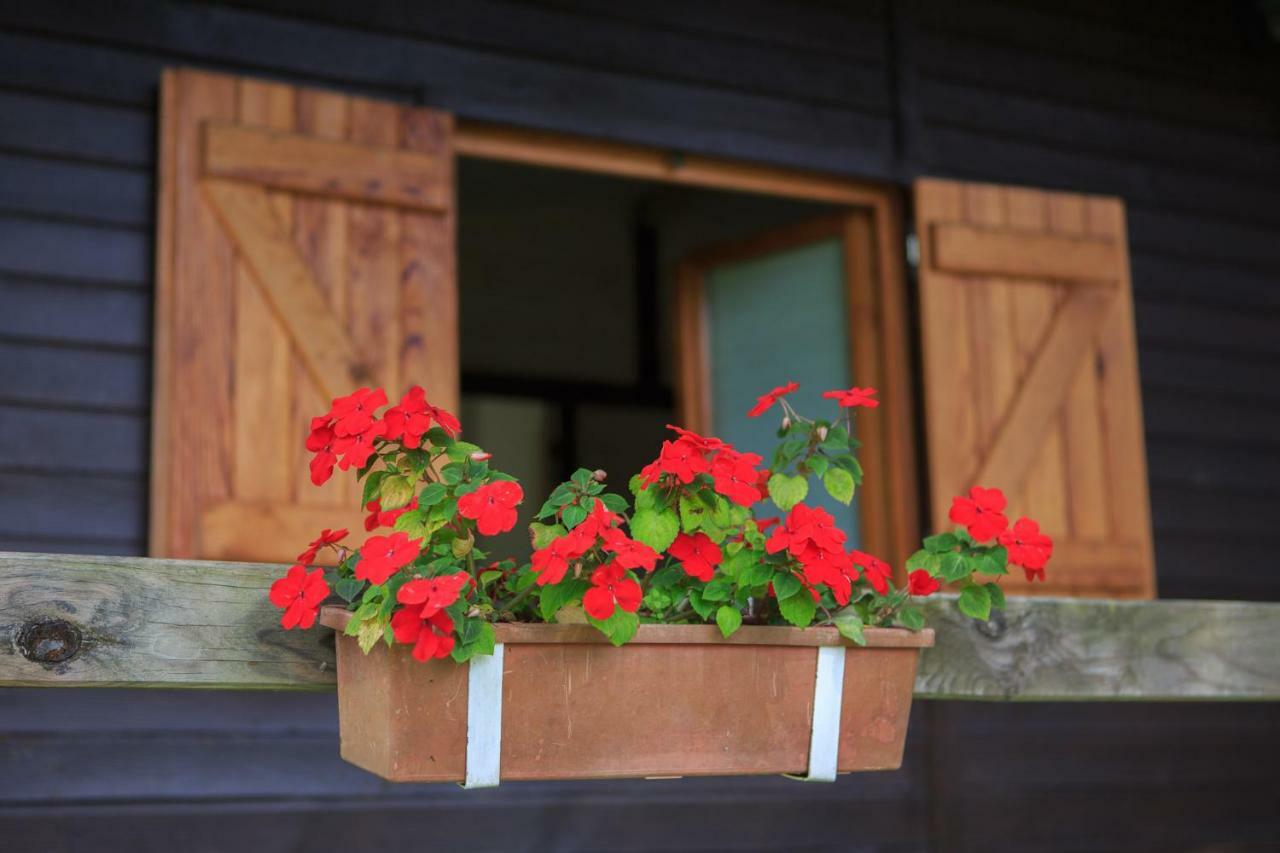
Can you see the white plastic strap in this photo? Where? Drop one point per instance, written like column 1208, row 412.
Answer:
column 484, row 720
column 828, row 695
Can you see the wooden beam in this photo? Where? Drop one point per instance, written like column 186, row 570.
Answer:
column 968, row 250
column 74, row 621
column 307, row 164
column 1056, row 649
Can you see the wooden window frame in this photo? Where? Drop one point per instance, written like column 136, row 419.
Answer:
column 872, row 220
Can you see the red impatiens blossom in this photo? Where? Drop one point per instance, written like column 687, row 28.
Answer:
column 599, row 520
column 1028, row 547
column 627, row 552
column 355, row 450
column 354, row 413
column 492, row 506
column 552, row 562
column 326, row 537
column 982, row 513
column 320, row 442
column 432, row 636
column 611, row 588
column 920, row 582
column 805, row 525
column 682, row 458
column 432, row 595
column 875, row 570
column 736, row 477
column 378, row 517
column 383, row 556
column 299, row 592
column 766, row 401
column 697, row 554
column 702, row 442
column 832, row 568
column 410, row 420
column 854, row 397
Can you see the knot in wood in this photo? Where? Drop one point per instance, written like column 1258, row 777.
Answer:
column 49, row 642
column 994, row 628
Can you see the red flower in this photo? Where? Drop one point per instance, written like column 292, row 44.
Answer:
column 299, row 592
column 981, row 512
column 383, row 556
column 433, row 594
column 326, row 537
column 1028, row 547
column 921, row 582
column 702, row 442
column 683, row 458
column 763, row 403
column 736, row 477
column 875, row 570
column 410, row 420
column 598, row 521
column 806, row 525
column 610, row 587
column 378, row 517
column 854, row 397
column 432, row 636
column 355, row 450
column 697, row 554
column 832, row 568
column 320, row 442
column 492, row 506
column 552, row 562
column 627, row 552
column 354, row 413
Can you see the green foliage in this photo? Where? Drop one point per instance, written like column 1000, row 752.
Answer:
column 975, row 601
column 619, row 628
column 839, row 484
column 787, row 491
column 655, row 528
column 729, row 620
column 798, row 609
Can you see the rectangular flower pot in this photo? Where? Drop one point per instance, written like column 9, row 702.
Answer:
column 678, row 700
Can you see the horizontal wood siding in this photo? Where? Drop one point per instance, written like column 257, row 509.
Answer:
column 1175, row 112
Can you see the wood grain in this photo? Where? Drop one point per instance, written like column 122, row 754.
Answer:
column 168, row 623
column 966, row 249
column 292, row 161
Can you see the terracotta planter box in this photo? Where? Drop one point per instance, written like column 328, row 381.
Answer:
column 678, row 700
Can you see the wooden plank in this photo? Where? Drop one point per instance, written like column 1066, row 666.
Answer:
column 1048, row 649
column 253, row 530
column 1006, row 252
column 246, row 213
column 1040, row 397
column 168, row 623
column 307, row 164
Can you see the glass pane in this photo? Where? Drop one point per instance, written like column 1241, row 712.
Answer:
column 774, row 319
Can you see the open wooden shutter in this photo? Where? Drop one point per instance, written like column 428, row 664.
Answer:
column 1031, row 376
column 305, row 249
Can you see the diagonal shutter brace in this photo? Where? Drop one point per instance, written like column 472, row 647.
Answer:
column 828, row 696
column 484, row 719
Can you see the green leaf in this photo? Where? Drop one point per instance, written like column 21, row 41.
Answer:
column 555, row 596
column 371, row 487
column 839, row 483
column 849, row 624
column 573, row 515
column 614, row 503
column 657, row 600
column 729, row 620
column 718, row 589
column 413, row 522
column 460, row 450
column 818, row 464
column 701, row 607
column 975, row 601
column 953, row 568
column 911, row 617
column 451, row 474
column 996, row 594
column 655, row 528
column 941, row 543
column 620, row 627
column 692, row 513
column 369, row 634
column 785, row 585
column 581, row 478
column 394, row 492
column 798, row 609
column 543, row 534
column 924, row 560
column 432, row 495
column 787, row 491
column 756, row 573
column 348, row 588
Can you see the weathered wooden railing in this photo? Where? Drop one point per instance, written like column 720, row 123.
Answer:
column 131, row 622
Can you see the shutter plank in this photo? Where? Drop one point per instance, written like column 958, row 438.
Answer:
column 1004, row 252
column 375, row 174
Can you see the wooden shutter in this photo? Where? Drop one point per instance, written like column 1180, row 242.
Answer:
column 1031, row 376
column 305, row 249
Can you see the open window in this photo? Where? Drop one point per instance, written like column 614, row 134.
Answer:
column 573, row 297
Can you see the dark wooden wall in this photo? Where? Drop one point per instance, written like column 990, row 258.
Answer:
column 1174, row 108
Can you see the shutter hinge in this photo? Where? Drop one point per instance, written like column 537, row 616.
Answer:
column 912, row 246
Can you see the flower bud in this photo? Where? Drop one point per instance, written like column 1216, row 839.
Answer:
column 786, row 422
column 822, row 433
column 599, row 475
column 481, row 456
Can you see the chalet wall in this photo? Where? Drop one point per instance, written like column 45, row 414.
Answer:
column 1175, row 111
